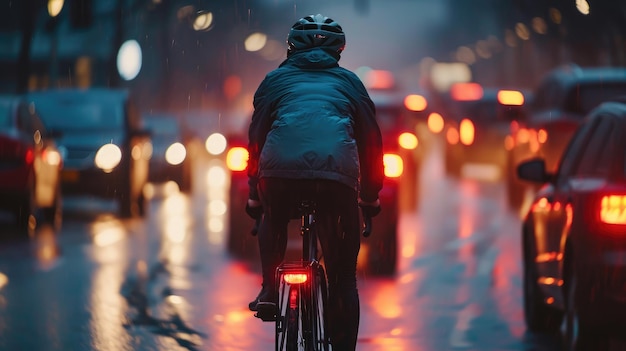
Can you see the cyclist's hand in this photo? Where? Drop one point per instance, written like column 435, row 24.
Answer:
column 254, row 209
column 370, row 209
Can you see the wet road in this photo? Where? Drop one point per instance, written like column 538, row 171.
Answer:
column 167, row 283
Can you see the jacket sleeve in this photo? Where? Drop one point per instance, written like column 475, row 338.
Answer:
column 370, row 147
column 259, row 127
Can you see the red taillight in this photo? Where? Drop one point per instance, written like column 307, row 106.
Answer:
column 613, row 209
column 29, row 156
column 237, row 158
column 295, row 278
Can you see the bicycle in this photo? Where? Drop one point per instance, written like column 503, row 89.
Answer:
column 300, row 314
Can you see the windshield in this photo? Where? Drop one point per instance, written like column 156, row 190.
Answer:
column 80, row 115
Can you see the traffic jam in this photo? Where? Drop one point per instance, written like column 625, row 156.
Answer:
column 126, row 165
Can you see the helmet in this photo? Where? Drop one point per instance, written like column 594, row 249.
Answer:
column 316, row 31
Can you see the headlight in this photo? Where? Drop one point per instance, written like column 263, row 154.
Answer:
column 108, row 157
column 175, row 154
column 215, row 144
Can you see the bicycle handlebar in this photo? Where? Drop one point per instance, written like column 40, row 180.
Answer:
column 367, row 226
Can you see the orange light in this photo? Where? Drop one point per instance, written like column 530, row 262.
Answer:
column 295, row 278
column 415, row 102
column 237, row 158
column 452, row 136
column 435, row 122
column 394, row 167
column 613, row 209
column 511, row 97
column 466, row 91
column 523, row 136
column 542, row 136
column 509, row 143
column 408, row 141
column 466, row 132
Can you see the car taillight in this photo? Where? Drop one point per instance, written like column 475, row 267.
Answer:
column 237, row 158
column 295, row 278
column 408, row 141
column 29, row 156
column 394, row 166
column 466, row 132
column 613, row 209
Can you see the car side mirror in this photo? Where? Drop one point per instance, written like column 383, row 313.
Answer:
column 534, row 170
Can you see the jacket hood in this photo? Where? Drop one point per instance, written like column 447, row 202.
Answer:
column 312, row 58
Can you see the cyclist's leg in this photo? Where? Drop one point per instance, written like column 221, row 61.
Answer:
column 272, row 234
column 340, row 240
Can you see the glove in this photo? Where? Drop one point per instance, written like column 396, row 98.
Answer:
column 370, row 209
column 254, row 209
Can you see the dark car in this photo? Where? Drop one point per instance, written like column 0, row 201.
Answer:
column 104, row 147
column 573, row 235
column 560, row 103
column 172, row 154
column 30, row 165
column 477, row 122
column 402, row 158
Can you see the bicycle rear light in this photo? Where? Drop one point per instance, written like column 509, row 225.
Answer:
column 295, row 278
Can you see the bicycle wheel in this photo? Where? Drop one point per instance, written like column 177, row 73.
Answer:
column 319, row 297
column 289, row 323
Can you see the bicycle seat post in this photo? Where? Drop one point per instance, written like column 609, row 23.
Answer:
column 309, row 239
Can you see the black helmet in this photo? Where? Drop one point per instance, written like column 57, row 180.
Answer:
column 316, row 31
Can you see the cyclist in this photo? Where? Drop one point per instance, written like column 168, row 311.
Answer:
column 313, row 135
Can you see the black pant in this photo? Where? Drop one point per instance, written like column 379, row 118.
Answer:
column 338, row 220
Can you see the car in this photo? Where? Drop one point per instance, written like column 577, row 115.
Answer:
column 30, row 165
column 104, row 147
column 172, row 153
column 400, row 193
column 477, row 121
column 560, row 102
column 573, row 233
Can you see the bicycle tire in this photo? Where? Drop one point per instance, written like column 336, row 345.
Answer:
column 289, row 330
column 319, row 299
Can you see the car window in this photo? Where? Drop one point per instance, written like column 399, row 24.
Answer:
column 5, row 114
column 571, row 155
column 595, row 157
column 585, row 97
column 80, row 115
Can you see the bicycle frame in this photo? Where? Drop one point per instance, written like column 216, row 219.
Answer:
column 302, row 289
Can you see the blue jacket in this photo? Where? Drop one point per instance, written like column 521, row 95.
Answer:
column 315, row 120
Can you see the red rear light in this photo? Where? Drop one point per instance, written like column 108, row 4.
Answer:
column 29, row 156
column 466, row 91
column 613, row 209
column 295, row 278
column 237, row 158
